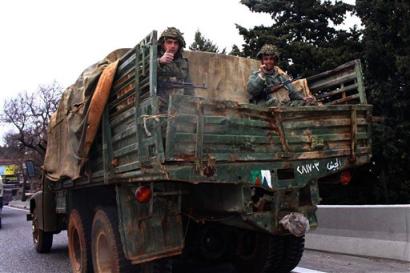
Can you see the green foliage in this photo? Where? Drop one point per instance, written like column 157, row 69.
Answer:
column 302, row 32
column 386, row 38
column 305, row 33
column 235, row 51
column 203, row 44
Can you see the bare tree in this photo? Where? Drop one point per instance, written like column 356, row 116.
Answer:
column 29, row 114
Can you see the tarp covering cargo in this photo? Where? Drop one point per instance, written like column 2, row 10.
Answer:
column 68, row 143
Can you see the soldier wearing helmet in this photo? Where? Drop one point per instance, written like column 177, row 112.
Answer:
column 269, row 85
column 172, row 66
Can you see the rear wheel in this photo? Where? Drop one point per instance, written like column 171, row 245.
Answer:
column 79, row 243
column 107, row 254
column 293, row 251
column 258, row 253
column 42, row 240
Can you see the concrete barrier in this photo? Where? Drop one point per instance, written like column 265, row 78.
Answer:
column 375, row 231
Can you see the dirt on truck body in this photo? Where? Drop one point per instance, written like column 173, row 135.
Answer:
column 211, row 178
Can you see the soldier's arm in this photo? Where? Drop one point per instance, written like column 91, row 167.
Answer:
column 256, row 85
column 293, row 93
column 164, row 69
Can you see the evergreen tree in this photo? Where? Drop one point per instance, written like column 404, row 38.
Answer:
column 203, row 44
column 386, row 40
column 235, row 51
column 302, row 32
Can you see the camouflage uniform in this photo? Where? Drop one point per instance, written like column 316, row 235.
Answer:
column 259, row 87
column 176, row 71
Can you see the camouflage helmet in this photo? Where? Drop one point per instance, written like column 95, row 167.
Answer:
column 268, row 49
column 174, row 33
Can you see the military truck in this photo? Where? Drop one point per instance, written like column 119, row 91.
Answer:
column 211, row 179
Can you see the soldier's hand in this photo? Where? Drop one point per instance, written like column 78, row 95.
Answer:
column 166, row 58
column 309, row 99
column 262, row 70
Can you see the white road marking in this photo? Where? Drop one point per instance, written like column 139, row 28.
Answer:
column 305, row 270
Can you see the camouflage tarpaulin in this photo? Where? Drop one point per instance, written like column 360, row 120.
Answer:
column 65, row 155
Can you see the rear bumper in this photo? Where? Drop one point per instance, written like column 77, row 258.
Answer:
column 249, row 207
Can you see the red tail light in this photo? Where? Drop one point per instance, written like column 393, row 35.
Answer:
column 143, row 194
column 345, row 177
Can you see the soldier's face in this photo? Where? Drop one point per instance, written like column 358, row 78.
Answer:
column 171, row 45
column 269, row 61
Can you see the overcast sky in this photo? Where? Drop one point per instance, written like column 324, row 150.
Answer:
column 47, row 40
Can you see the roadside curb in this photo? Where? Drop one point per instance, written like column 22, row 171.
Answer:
column 19, row 204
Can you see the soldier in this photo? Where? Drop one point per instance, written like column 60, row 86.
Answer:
column 269, row 85
column 173, row 70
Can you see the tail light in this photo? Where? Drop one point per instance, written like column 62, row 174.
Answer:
column 143, row 194
column 345, row 177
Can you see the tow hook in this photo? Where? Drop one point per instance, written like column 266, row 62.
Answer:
column 296, row 223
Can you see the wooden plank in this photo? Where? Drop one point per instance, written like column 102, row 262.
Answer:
column 336, row 92
column 297, row 124
column 237, row 130
column 327, row 83
column 326, row 109
column 347, row 99
column 133, row 148
column 121, row 82
column 107, row 153
column 127, row 167
column 130, row 131
column 255, row 148
column 346, row 66
column 123, row 116
column 153, row 65
column 125, row 64
column 238, row 139
column 128, row 91
column 360, row 83
column 221, row 120
column 128, row 86
column 129, row 63
column 242, row 156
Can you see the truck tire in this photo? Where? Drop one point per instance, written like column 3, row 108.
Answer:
column 106, row 249
column 79, row 247
column 293, row 251
column 258, row 253
column 42, row 240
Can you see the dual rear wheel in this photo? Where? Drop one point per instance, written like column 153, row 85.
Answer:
column 99, row 248
column 95, row 247
column 260, row 253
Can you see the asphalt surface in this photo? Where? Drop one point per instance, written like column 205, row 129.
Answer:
column 17, row 254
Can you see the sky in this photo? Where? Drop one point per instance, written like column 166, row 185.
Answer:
column 47, row 40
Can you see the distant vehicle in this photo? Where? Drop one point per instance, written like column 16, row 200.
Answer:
column 212, row 178
column 10, row 174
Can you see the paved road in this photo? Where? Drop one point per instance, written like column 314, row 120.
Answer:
column 18, row 256
column 16, row 249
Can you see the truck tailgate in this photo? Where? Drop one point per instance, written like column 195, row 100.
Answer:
column 198, row 129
